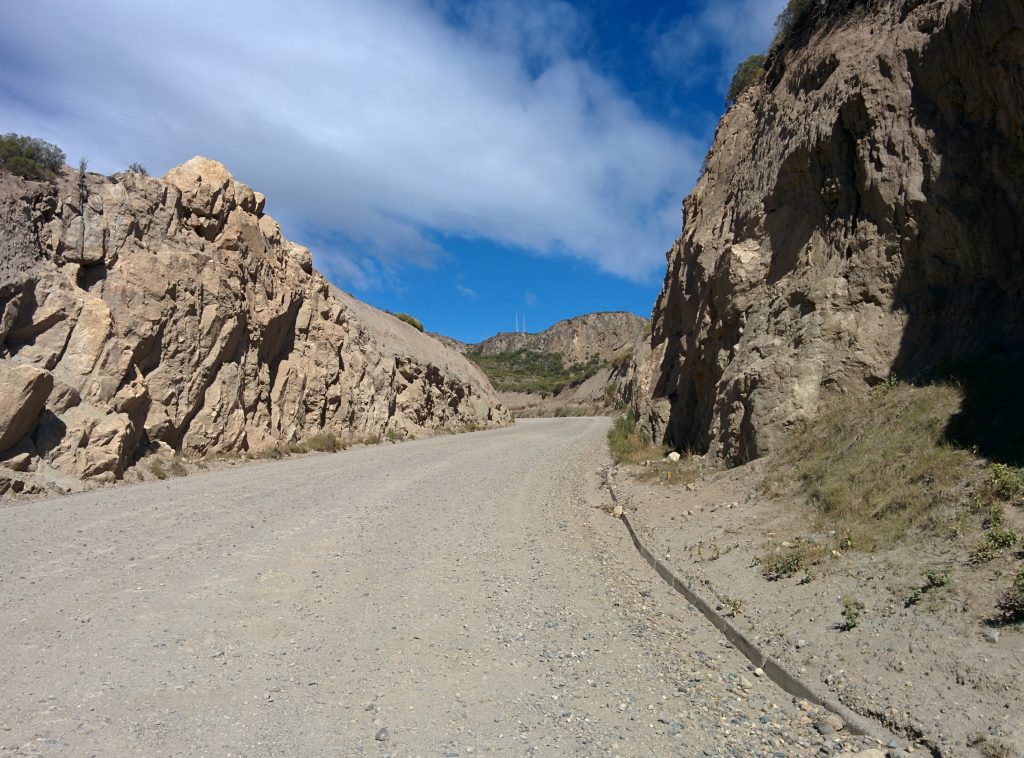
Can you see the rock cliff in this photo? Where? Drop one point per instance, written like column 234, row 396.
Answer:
column 138, row 313
column 578, row 339
column 861, row 216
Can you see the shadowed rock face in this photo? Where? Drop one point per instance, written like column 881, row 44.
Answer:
column 862, row 215
column 173, row 311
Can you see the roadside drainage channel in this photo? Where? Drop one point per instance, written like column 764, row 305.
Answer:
column 772, row 669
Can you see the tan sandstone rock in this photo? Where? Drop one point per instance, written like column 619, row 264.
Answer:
column 23, row 393
column 200, row 328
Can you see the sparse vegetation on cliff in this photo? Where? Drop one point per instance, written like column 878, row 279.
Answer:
column 802, row 16
column 410, row 320
column 29, row 157
column 748, row 73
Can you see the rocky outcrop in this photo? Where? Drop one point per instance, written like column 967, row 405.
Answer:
column 23, row 393
column 138, row 313
column 578, row 339
column 861, row 216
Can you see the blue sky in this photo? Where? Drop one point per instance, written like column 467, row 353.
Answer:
column 460, row 161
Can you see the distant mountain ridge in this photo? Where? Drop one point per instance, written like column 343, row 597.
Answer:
column 601, row 335
column 574, row 366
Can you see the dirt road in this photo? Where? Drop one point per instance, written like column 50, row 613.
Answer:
column 453, row 596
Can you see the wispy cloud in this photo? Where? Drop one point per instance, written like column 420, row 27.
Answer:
column 466, row 292
column 529, row 298
column 708, row 48
column 375, row 125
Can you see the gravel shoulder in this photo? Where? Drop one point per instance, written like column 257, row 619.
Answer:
column 450, row 596
column 932, row 670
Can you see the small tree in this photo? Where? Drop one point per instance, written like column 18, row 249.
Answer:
column 29, row 157
column 748, row 73
column 137, row 168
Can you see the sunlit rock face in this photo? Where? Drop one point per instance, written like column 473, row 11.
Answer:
column 172, row 312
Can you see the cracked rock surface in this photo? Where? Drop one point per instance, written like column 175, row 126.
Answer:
column 172, row 314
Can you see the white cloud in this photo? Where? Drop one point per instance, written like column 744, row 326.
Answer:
column 466, row 292
column 529, row 298
column 373, row 124
column 708, row 47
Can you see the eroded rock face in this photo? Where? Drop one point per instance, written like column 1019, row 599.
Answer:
column 862, row 215
column 173, row 311
column 578, row 339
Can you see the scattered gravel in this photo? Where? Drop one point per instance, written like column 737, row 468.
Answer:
column 453, row 596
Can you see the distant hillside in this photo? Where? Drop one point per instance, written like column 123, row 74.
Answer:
column 578, row 339
column 573, row 365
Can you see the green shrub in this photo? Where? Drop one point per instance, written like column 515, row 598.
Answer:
column 323, row 443
column 782, row 566
column 1007, row 482
column 791, row 560
column 994, row 542
column 137, row 168
column 933, row 579
column 29, row 157
column 410, row 320
column 621, row 358
column 851, row 613
column 1011, row 605
column 748, row 73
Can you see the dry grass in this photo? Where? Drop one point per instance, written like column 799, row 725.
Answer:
column 875, row 466
column 689, row 469
column 629, row 445
column 161, row 468
column 319, row 443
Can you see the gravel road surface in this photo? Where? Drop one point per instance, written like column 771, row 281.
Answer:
column 453, row 596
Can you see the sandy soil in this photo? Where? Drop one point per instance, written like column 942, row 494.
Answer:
column 934, row 670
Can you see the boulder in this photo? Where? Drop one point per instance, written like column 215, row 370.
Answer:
column 23, row 393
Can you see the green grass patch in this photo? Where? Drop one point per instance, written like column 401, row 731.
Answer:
column 532, row 371
column 877, row 465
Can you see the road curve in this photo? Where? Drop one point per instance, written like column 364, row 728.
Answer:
column 453, row 596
